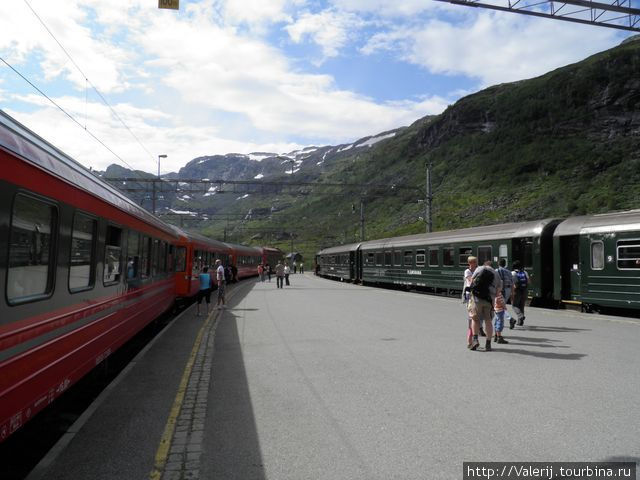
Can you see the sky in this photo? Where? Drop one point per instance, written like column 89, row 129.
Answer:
column 241, row 76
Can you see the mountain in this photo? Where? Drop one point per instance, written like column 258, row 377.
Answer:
column 565, row 143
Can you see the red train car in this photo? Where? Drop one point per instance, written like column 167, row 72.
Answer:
column 271, row 255
column 245, row 260
column 82, row 267
column 193, row 252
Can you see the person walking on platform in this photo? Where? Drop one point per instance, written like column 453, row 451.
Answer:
column 507, row 286
column 519, row 296
column 205, row 289
column 220, row 278
column 301, row 267
column 466, row 293
column 295, row 267
column 484, row 285
column 287, row 271
column 279, row 275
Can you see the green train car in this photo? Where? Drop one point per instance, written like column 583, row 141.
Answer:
column 592, row 261
column 597, row 258
column 339, row 262
column 436, row 261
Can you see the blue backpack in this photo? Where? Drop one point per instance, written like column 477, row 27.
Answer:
column 521, row 280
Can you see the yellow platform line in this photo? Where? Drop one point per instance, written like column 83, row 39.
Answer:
column 165, row 442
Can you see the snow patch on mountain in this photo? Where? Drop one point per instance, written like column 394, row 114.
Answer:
column 374, row 140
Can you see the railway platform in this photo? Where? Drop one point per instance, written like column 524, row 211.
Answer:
column 326, row 380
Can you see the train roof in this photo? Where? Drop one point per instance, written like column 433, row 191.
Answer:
column 474, row 234
column 271, row 249
column 19, row 140
column 351, row 247
column 196, row 237
column 601, row 223
column 244, row 248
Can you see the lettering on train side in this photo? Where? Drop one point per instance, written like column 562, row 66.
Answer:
column 414, row 272
column 63, row 386
column 103, row 356
column 15, row 422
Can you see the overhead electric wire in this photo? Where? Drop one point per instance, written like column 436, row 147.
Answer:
column 66, row 113
column 104, row 100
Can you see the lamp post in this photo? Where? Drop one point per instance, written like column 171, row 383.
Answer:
column 154, row 183
column 429, row 199
column 159, row 157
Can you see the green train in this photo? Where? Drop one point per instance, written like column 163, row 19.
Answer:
column 592, row 261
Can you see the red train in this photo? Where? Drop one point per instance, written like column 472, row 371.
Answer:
column 83, row 269
column 193, row 252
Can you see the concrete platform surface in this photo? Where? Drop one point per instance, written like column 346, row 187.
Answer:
column 325, row 380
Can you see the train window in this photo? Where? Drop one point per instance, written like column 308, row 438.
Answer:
column 165, row 257
column 81, row 264
column 145, row 264
column 397, row 257
column 195, row 266
column 420, row 257
column 181, row 259
column 597, row 256
column 155, row 253
column 484, row 254
column 33, row 225
column 370, row 260
column 628, row 254
column 387, row 258
column 112, row 255
column 448, row 257
column 133, row 255
column 379, row 258
column 463, row 254
column 408, row 257
column 433, row 257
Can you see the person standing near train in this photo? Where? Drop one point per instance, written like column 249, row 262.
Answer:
column 279, row 275
column 261, row 272
column 220, row 278
column 507, row 286
column 466, row 293
column 520, row 291
column 205, row 289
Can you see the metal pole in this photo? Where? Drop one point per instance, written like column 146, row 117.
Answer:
column 362, row 219
column 154, row 183
column 429, row 199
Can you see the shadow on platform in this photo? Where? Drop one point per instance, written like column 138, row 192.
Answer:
column 232, row 446
column 549, row 355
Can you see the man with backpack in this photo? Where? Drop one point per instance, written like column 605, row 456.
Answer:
column 484, row 285
column 519, row 296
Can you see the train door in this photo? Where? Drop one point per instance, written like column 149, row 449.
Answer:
column 570, row 268
column 352, row 265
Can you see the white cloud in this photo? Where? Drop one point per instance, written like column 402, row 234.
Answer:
column 103, row 62
column 257, row 12
column 493, row 47
column 218, row 68
column 330, row 29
